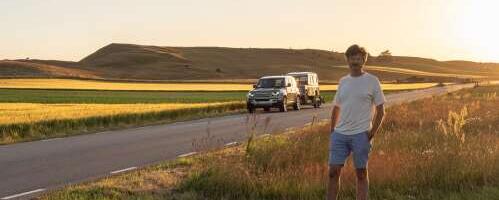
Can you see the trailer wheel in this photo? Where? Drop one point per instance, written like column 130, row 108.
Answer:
column 296, row 106
column 251, row 108
column 284, row 105
column 317, row 101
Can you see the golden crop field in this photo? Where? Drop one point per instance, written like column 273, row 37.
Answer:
column 104, row 85
column 15, row 113
column 390, row 86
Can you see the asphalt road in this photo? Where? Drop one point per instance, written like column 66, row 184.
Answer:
column 27, row 169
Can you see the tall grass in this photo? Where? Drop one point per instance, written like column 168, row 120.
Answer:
column 438, row 148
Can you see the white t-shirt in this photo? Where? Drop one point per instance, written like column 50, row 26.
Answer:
column 357, row 97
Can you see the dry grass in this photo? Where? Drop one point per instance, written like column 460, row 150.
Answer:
column 154, row 182
column 10, row 68
column 437, row 148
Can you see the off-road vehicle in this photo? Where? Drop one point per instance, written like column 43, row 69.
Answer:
column 308, row 83
column 274, row 92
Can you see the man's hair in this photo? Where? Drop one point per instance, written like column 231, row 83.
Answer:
column 355, row 50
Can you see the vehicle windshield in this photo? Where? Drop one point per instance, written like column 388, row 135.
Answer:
column 271, row 83
column 301, row 80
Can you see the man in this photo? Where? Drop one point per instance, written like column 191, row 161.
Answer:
column 359, row 95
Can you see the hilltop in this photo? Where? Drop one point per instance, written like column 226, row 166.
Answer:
column 143, row 62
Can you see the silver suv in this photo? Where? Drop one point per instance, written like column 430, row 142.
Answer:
column 274, row 92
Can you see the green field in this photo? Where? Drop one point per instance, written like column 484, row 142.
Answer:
column 445, row 147
column 114, row 97
column 121, row 97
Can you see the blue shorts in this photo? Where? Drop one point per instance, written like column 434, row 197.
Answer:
column 341, row 145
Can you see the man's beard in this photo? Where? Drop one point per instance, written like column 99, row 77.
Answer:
column 355, row 65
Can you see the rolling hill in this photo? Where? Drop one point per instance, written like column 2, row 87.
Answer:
column 141, row 62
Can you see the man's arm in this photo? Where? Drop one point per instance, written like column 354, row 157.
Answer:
column 334, row 116
column 378, row 119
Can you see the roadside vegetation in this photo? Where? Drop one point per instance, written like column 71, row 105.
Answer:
column 444, row 147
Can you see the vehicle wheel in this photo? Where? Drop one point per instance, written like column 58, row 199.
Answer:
column 284, row 105
column 317, row 102
column 251, row 109
column 266, row 109
column 296, row 106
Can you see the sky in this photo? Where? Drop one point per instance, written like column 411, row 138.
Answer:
column 70, row 30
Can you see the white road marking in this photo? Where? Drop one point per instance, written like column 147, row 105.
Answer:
column 22, row 194
column 123, row 170
column 231, row 144
column 187, row 154
column 51, row 139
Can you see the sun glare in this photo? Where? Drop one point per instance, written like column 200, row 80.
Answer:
column 476, row 28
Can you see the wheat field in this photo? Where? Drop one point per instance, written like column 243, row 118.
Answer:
column 21, row 122
column 13, row 113
column 142, row 86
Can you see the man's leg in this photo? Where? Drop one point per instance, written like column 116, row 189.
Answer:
column 361, row 148
column 334, row 181
column 362, row 184
column 338, row 153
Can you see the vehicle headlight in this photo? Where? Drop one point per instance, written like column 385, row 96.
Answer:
column 250, row 95
column 277, row 94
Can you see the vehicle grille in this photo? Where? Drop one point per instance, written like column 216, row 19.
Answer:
column 263, row 95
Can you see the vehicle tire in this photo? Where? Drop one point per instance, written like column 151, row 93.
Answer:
column 284, row 105
column 317, row 101
column 251, row 109
column 266, row 109
column 297, row 103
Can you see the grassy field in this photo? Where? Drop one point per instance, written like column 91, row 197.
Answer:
column 115, row 97
column 438, row 148
column 67, row 84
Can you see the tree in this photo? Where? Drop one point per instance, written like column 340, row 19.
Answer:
column 385, row 56
column 386, row 53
